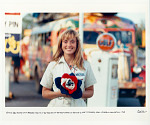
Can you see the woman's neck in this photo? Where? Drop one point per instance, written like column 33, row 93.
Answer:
column 69, row 59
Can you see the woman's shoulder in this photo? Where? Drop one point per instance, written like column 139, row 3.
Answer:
column 86, row 63
column 51, row 64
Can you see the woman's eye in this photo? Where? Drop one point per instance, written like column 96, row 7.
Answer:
column 65, row 41
column 72, row 41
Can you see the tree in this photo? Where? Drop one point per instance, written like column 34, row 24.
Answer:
column 138, row 33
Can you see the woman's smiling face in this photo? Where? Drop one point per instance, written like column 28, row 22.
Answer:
column 69, row 45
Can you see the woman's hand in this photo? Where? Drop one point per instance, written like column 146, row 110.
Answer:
column 63, row 95
column 48, row 94
column 88, row 93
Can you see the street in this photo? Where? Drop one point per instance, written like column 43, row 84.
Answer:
column 24, row 94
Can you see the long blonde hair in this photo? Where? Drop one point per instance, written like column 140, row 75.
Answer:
column 78, row 59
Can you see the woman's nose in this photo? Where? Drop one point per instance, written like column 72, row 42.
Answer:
column 69, row 44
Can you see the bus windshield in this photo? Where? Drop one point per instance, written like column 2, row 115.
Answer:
column 124, row 36
column 90, row 37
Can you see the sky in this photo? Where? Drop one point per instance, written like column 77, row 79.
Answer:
column 135, row 17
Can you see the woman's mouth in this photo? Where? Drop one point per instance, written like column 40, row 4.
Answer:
column 69, row 49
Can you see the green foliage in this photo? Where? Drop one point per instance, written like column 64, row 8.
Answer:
column 138, row 33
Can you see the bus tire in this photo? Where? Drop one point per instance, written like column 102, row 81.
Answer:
column 38, row 87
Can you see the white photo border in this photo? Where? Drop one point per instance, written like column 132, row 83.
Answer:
column 75, row 6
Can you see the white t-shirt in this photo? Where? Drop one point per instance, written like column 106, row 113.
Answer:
column 57, row 69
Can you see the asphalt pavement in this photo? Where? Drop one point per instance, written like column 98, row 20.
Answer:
column 24, row 94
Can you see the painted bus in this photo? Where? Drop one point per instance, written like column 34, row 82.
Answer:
column 43, row 40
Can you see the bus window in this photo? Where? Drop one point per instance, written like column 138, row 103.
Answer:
column 31, row 40
column 124, row 36
column 35, row 43
column 129, row 37
column 48, row 38
column 43, row 39
column 39, row 40
column 34, row 40
column 90, row 37
column 117, row 35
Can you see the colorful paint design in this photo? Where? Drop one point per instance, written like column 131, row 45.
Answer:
column 12, row 46
column 107, row 22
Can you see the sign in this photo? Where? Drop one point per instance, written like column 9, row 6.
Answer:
column 13, row 23
column 12, row 44
column 106, row 41
column 13, row 29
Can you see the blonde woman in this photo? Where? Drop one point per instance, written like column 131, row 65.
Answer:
column 68, row 65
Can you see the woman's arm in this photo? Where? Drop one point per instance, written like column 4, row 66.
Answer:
column 48, row 94
column 88, row 93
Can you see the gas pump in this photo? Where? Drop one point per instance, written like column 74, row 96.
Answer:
column 105, row 66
